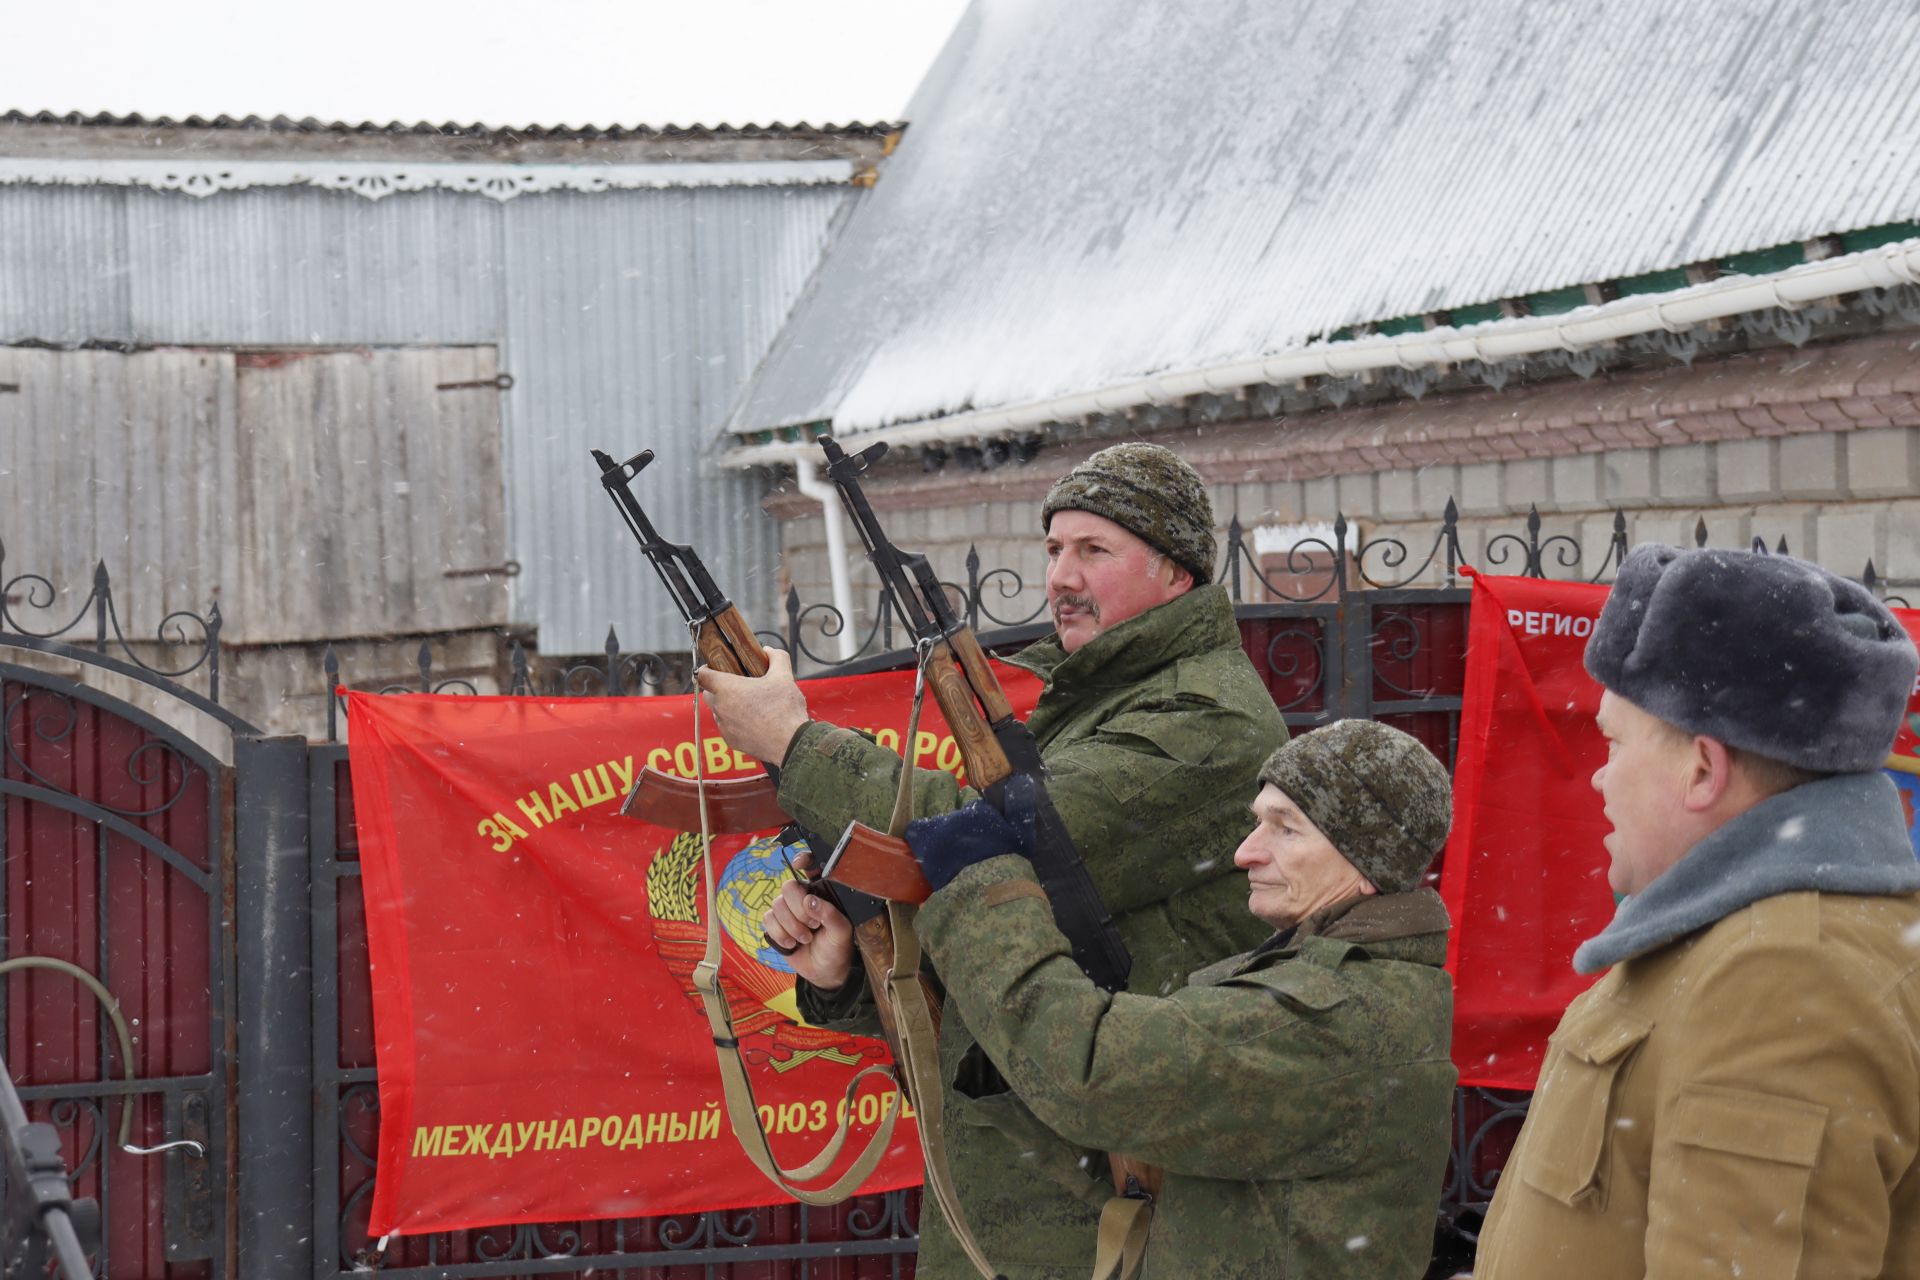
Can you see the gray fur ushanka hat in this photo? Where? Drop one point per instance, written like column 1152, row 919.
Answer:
column 1149, row 492
column 1766, row 653
column 1375, row 792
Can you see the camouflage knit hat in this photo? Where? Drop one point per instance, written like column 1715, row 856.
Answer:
column 1377, row 794
column 1147, row 491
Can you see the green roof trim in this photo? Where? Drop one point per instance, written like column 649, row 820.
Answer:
column 1485, row 311
column 1556, row 301
column 1764, row 262
column 1399, row 325
column 1559, row 301
column 1652, row 282
column 1874, row 237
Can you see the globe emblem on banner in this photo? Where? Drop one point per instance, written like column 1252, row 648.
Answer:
column 757, row 980
column 748, row 886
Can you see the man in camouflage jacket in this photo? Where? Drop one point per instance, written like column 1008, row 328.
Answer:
column 1152, row 724
column 1296, row 1097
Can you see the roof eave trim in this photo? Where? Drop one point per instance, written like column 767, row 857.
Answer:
column 377, row 179
column 1884, row 267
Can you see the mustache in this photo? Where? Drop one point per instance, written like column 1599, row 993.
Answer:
column 1086, row 604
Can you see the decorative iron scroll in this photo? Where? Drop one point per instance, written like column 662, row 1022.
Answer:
column 1318, row 575
column 1317, row 568
column 195, row 636
column 52, row 716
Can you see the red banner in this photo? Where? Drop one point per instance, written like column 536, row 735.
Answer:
column 1525, row 875
column 542, row 1055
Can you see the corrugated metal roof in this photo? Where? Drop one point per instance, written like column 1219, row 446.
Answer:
column 627, row 319
column 286, row 124
column 1093, row 193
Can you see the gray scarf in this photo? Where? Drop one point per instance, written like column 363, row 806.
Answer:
column 1843, row 834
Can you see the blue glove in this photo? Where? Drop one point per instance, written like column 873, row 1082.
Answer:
column 949, row 843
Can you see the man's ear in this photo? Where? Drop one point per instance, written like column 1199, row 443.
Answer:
column 1182, row 579
column 1709, row 773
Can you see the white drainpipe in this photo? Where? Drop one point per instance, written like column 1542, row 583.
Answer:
column 810, row 484
column 1493, row 341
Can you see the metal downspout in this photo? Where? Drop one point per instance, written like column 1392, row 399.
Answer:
column 811, row 485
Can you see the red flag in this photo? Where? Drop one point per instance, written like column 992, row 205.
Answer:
column 1525, row 875
column 542, row 1055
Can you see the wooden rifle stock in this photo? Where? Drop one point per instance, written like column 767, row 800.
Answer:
column 726, row 643
column 884, row 866
column 873, row 939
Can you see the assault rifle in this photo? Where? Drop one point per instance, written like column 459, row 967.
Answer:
column 726, row 643
column 994, row 744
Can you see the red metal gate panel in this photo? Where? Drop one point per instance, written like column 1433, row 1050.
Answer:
column 115, row 847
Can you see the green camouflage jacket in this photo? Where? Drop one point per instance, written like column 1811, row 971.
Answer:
column 1153, row 733
column 1297, row 1096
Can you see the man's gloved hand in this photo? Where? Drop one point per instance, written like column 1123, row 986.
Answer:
column 948, row 843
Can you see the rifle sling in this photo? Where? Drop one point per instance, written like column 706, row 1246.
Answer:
column 1126, row 1219
column 743, row 1113
column 917, row 1050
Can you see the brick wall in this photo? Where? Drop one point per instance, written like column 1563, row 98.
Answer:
column 1820, row 446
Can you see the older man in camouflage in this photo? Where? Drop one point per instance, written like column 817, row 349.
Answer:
column 1296, row 1097
column 1152, row 724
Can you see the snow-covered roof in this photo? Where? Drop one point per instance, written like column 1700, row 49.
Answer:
column 1095, row 192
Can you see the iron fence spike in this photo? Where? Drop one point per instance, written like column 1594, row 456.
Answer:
column 1700, row 532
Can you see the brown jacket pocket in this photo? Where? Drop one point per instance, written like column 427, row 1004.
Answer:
column 1572, row 1119
column 1730, row 1182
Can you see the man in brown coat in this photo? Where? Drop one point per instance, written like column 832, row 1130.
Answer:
column 1740, row 1094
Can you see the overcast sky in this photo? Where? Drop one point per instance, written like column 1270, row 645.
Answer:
column 501, row 62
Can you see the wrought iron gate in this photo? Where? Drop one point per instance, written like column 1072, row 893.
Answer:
column 119, row 998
